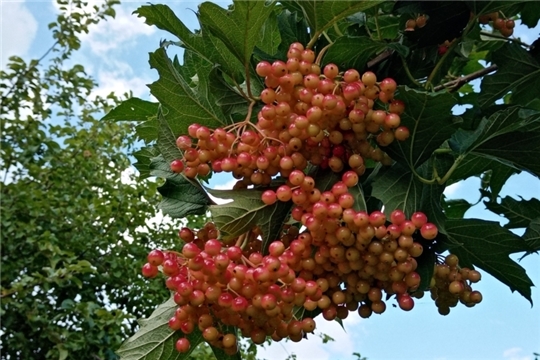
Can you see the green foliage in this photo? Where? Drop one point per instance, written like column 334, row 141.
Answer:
column 74, row 221
column 216, row 85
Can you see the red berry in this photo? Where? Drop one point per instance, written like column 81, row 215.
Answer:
column 156, row 257
column 177, row 166
column 429, row 231
column 182, row 345
column 149, row 270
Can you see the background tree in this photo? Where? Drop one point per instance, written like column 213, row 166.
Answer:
column 74, row 222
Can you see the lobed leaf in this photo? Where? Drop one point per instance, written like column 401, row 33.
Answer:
column 183, row 106
column 488, row 245
column 321, row 15
column 246, row 211
column 132, row 109
column 518, row 72
column 430, row 121
column 239, row 28
column 212, row 50
column 456, row 208
column 155, row 340
column 181, row 197
column 144, row 158
column 532, row 234
column 346, row 53
column 520, row 213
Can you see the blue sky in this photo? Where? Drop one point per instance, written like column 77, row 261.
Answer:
column 503, row 326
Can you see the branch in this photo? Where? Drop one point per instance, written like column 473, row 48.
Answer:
column 454, row 85
column 380, row 58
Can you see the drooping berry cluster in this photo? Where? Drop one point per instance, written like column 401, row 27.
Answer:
column 346, row 264
column 504, row 26
column 310, row 115
column 451, row 284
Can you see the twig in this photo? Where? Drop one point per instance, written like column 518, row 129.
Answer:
column 454, row 85
column 380, row 58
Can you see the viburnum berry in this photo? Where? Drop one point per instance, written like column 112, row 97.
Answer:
column 149, row 270
column 177, row 166
column 182, row 345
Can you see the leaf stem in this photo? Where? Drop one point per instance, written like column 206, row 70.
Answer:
column 446, row 176
column 336, row 28
column 447, row 53
column 408, row 72
column 313, row 40
column 454, row 85
column 377, row 24
column 321, row 53
column 497, row 36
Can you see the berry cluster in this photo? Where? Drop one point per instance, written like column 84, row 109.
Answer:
column 451, row 284
column 346, row 264
column 419, row 22
column 504, row 26
column 310, row 115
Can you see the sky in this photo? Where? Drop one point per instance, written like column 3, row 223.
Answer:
column 503, row 327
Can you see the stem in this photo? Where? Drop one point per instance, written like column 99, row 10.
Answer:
column 313, row 40
column 321, row 53
column 377, row 25
column 450, row 49
column 408, row 72
column 497, row 36
column 248, row 80
column 446, row 176
column 336, row 28
column 460, row 81
column 379, row 58
column 327, row 37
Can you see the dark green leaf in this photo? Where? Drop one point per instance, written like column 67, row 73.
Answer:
column 166, row 141
column 155, row 340
column 133, row 109
column 519, row 212
column 147, row 130
column 269, row 38
column 456, row 208
column 385, row 25
column 321, row 15
column 530, row 14
column 247, row 210
column 144, row 158
column 430, row 121
column 425, row 268
column 183, row 106
column 291, row 28
column 181, row 196
column 398, row 188
column 239, row 28
column 352, row 51
column 532, row 234
column 518, row 72
column 359, row 201
column 488, row 245
column 208, row 47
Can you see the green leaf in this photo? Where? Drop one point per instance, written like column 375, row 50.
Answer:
column 425, row 267
column 518, row 72
column 166, row 141
column 230, row 101
column 133, row 109
column 246, row 211
column 359, row 201
column 269, row 37
column 207, row 46
column 520, row 213
column 144, row 158
column 520, row 150
column 488, row 245
column 321, row 15
column 239, row 28
column 456, row 208
column 181, row 197
column 345, row 52
column 530, row 14
column 398, row 188
column 430, row 121
column 147, row 130
column 183, row 105
column 292, row 28
column 499, row 123
column 532, row 234
column 155, row 340
column 387, row 25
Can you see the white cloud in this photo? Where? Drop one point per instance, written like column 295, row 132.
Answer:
column 115, row 34
column 19, row 28
column 515, row 354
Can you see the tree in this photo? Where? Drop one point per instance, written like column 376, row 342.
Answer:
column 74, row 221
